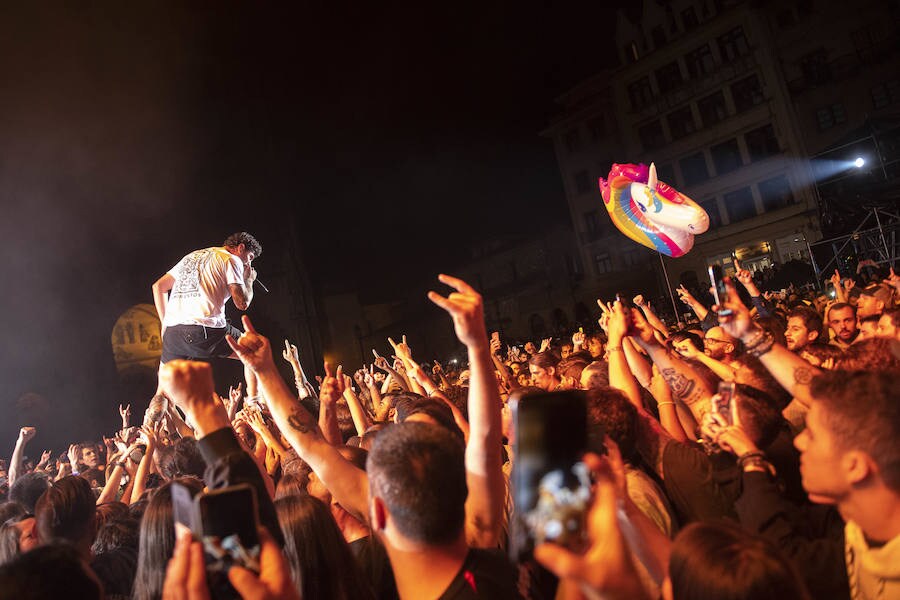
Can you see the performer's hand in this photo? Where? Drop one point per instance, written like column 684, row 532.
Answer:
column 253, row 349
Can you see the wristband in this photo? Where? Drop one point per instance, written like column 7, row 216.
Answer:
column 658, row 404
column 613, row 349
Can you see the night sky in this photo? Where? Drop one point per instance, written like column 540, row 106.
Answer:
column 396, row 133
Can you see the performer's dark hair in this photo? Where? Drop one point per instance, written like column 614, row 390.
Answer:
column 242, row 237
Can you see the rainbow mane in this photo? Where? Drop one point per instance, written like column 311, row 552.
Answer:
column 651, row 212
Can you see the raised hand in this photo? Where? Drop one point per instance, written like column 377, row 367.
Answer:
column 737, row 323
column 253, row 349
column 578, row 338
column 369, row 377
column 26, row 434
column 744, row 275
column 274, row 579
column 836, row 280
column 125, row 413
column 495, row 348
column 606, row 567
column 545, row 344
column 638, row 300
column 290, row 353
column 190, row 385
column 45, row 458
column 402, row 349
column 73, row 455
column 234, row 393
column 437, row 369
column 684, row 295
column 330, row 391
column 616, row 324
column 466, row 307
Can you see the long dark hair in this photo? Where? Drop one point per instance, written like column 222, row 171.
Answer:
column 157, row 541
column 722, row 561
column 322, row 565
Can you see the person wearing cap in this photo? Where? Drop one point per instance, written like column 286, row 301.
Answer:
column 874, row 299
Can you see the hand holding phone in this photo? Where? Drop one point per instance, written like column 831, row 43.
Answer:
column 551, row 484
column 720, row 292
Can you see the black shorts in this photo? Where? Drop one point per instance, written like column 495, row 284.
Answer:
column 196, row 342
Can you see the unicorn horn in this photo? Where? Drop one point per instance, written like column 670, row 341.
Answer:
column 651, row 179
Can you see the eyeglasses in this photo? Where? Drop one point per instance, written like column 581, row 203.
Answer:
column 718, row 341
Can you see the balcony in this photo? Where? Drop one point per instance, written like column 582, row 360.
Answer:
column 846, row 66
column 692, row 88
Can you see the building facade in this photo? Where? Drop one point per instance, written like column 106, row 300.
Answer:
column 717, row 94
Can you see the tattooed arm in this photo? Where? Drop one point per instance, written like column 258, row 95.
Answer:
column 348, row 484
column 684, row 382
column 792, row 372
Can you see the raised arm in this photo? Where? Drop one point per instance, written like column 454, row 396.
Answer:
column 348, row 484
column 15, row 464
column 686, row 384
column 790, row 370
column 685, row 296
column 650, row 315
column 620, row 375
column 484, row 476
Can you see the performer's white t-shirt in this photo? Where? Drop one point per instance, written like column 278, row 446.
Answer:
column 201, row 287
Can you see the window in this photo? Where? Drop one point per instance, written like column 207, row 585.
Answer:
column 762, row 143
column 776, row 193
column 681, row 122
column 693, row 169
column 651, row 135
column 866, row 41
column 592, row 225
column 733, row 44
column 689, row 18
column 739, row 205
column 631, row 52
column 712, row 109
column 602, row 263
column 726, row 156
column 640, row 93
column 785, row 18
column 659, row 36
column 711, row 206
column 572, row 140
column 668, row 77
column 829, row 116
column 815, row 67
column 597, row 127
column 746, row 93
column 885, row 94
column 666, row 174
column 582, row 182
column 699, row 61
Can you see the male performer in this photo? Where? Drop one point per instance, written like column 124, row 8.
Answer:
column 193, row 315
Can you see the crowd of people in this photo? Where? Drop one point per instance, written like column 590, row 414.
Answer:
column 393, row 480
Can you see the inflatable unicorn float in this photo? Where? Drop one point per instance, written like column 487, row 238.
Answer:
column 651, row 212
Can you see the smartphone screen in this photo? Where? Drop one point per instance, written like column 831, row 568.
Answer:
column 722, row 401
column 227, row 512
column 720, row 292
column 551, row 484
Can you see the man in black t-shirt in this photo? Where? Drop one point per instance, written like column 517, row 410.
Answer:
column 417, row 497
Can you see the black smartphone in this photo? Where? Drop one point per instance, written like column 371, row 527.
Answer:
column 720, row 292
column 722, row 401
column 226, row 522
column 551, row 485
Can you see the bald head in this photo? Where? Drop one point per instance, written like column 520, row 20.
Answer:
column 718, row 344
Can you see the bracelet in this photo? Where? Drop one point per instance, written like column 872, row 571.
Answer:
column 763, row 346
column 757, row 461
column 758, row 334
column 658, row 404
column 613, row 349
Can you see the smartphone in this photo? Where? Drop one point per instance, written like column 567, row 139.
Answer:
column 722, row 401
column 551, row 485
column 226, row 522
column 720, row 293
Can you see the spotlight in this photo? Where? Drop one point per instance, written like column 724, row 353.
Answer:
column 859, row 162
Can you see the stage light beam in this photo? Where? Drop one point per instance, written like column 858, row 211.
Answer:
column 859, row 162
